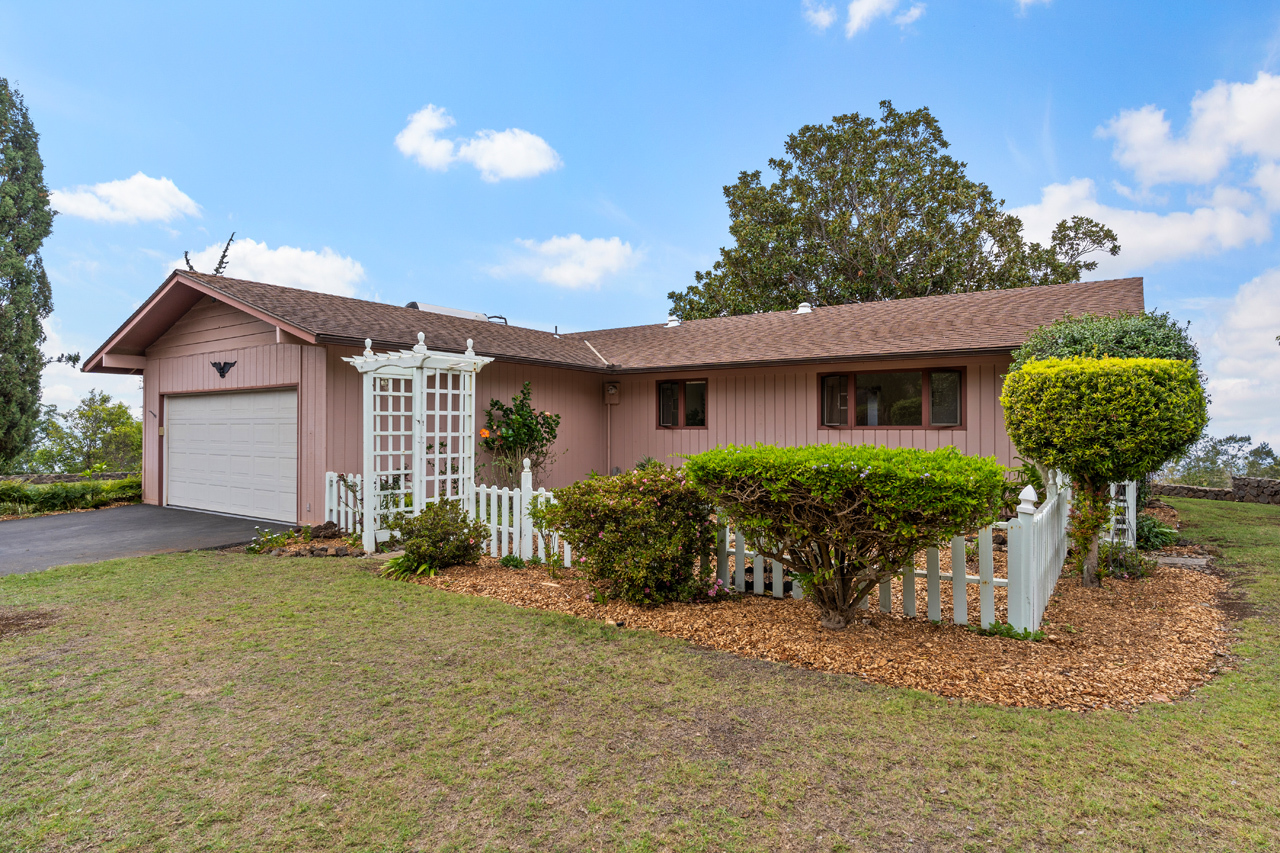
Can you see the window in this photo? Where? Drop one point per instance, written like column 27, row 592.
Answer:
column 901, row 398
column 835, row 401
column 682, row 404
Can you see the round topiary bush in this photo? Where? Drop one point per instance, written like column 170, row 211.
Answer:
column 1102, row 421
column 638, row 536
column 845, row 518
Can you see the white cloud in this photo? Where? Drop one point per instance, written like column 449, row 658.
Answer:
column 510, row 153
column 1242, row 359
column 135, row 199
column 1267, row 179
column 1228, row 219
column 325, row 271
column 820, row 16
column 63, row 385
column 1230, row 119
column 571, row 261
column 1023, row 5
column 418, row 139
column 909, row 17
column 863, row 12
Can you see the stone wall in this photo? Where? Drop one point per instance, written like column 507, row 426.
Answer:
column 1254, row 490
column 1170, row 490
column 42, row 479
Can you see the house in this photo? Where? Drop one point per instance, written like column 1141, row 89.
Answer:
column 248, row 400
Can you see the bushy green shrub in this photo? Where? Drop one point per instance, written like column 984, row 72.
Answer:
column 512, row 561
column 442, row 535
column 637, row 536
column 58, row 497
column 514, row 433
column 844, row 518
column 1154, row 534
column 1102, row 421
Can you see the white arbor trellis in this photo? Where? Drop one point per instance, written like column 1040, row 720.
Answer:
column 419, row 431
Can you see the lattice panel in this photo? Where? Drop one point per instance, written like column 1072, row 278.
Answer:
column 393, row 432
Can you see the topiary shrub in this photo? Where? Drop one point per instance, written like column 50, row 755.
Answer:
column 637, row 536
column 442, row 535
column 846, row 518
column 1102, row 421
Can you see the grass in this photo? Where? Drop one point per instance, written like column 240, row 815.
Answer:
column 207, row 702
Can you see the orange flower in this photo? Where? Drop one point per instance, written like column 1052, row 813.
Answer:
column 484, row 433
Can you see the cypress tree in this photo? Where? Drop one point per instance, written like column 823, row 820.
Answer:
column 25, row 297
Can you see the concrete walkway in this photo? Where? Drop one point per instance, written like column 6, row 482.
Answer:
column 32, row 544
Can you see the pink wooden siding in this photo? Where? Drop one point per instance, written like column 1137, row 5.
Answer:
column 179, row 363
column 212, row 323
column 780, row 406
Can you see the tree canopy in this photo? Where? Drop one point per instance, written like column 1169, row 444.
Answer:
column 25, row 296
column 866, row 209
column 98, row 433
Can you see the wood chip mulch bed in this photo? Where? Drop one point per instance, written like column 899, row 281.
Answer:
column 1132, row 642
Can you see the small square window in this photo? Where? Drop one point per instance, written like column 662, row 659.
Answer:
column 695, row 404
column 889, row 399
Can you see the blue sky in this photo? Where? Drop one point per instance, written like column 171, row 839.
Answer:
column 562, row 163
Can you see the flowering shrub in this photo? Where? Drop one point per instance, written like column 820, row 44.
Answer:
column 514, row 433
column 440, row 536
column 844, row 518
column 637, row 536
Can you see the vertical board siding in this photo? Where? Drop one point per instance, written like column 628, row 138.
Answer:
column 780, row 406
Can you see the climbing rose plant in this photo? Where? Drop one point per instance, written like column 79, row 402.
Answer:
column 844, row 518
column 517, row 432
column 643, row 537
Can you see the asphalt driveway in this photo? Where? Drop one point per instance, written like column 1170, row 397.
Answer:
column 32, row 544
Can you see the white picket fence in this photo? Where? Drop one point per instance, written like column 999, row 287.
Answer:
column 511, row 529
column 1037, row 548
column 344, row 501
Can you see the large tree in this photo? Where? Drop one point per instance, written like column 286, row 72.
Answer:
column 866, row 209
column 25, row 298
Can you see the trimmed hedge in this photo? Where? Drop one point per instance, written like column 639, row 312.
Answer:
column 1102, row 421
column 58, row 497
column 1105, row 420
column 637, row 536
column 844, row 518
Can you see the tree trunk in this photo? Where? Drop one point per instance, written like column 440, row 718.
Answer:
column 836, row 620
column 1089, row 574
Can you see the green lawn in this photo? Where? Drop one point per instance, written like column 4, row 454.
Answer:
column 206, row 702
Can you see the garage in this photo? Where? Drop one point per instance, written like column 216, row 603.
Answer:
column 235, row 453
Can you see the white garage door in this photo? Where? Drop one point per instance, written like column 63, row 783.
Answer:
column 234, row 453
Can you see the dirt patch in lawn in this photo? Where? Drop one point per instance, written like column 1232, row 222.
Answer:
column 1132, row 642
column 23, row 620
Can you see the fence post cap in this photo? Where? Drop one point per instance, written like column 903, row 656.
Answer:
column 1028, row 499
column 526, row 465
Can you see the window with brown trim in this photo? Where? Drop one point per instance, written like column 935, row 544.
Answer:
column 892, row 398
column 682, row 404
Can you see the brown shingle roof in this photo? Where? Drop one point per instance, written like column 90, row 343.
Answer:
column 341, row 319
column 988, row 321
column 963, row 322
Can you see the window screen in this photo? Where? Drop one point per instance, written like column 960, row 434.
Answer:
column 944, row 398
column 889, row 399
column 695, row 404
column 835, row 401
column 668, row 404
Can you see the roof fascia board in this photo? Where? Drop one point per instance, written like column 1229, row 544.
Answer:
column 94, row 362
